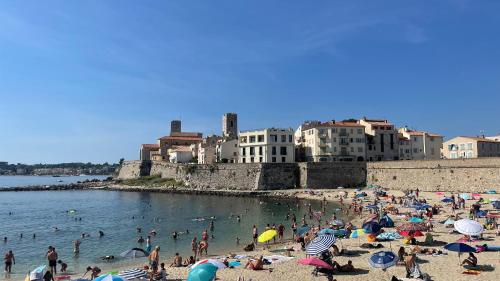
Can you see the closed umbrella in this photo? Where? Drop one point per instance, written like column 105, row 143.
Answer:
column 134, row 253
column 267, row 235
column 383, row 259
column 320, row 244
column 303, row 230
column 315, row 262
column 203, row 272
column 468, row 227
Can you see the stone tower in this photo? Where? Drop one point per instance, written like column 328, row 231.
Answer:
column 175, row 126
column 230, row 126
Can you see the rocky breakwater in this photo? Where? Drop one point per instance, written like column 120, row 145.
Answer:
column 70, row 186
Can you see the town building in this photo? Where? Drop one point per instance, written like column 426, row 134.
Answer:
column 470, row 147
column 495, row 138
column 382, row 142
column 333, row 141
column 419, row 145
column 267, row 146
column 230, row 126
column 206, row 150
column 149, row 149
column 180, row 154
column 227, row 151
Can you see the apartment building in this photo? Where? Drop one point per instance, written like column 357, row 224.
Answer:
column 270, row 145
column 419, row 145
column 227, row 151
column 381, row 140
column 333, row 141
column 470, row 147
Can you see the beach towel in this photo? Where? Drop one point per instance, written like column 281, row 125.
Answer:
column 239, row 257
column 277, row 259
column 471, row 272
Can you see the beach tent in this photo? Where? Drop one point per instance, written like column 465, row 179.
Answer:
column 415, row 219
column 386, row 221
column 468, row 227
column 491, row 191
column 326, row 231
column 383, row 259
column 203, row 272
column 320, row 244
column 134, row 253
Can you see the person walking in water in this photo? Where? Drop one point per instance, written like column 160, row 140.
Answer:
column 76, row 246
column 52, row 258
column 9, row 259
column 148, row 244
column 255, row 234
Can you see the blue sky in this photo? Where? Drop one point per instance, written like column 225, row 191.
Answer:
column 92, row 80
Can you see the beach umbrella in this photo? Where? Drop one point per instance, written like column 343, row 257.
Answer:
column 134, row 253
column 326, row 231
column 412, row 233
column 203, row 272
column 213, row 262
column 383, row 259
column 415, row 219
column 320, row 244
column 446, row 200
column 496, row 204
column 134, row 273
column 110, row 277
column 371, row 227
column 460, row 248
column 37, row 273
column 338, row 223
column 449, row 222
column 357, row 233
column 340, row 232
column 315, row 262
column 303, row 230
column 412, row 226
column 360, row 195
column 267, row 235
column 468, row 227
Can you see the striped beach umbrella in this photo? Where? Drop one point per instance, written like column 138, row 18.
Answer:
column 131, row 274
column 320, row 244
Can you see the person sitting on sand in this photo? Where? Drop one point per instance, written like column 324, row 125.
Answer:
column 401, row 255
column 256, row 264
column 95, row 271
column 162, row 274
column 344, row 268
column 471, row 260
column 189, row 261
column 177, row 262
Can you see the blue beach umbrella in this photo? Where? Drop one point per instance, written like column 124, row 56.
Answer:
column 460, row 248
column 326, row 231
column 340, row 232
column 371, row 227
column 446, row 200
column 302, row 230
column 383, row 259
column 203, row 272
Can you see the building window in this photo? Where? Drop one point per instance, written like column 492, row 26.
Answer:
column 244, row 151
column 252, row 151
column 469, row 145
column 244, row 160
column 334, row 139
column 283, row 150
column 252, row 159
column 360, row 131
column 334, row 149
column 260, row 150
column 274, row 138
column 415, row 150
column 273, row 150
column 283, row 159
column 469, row 154
column 334, row 130
column 273, row 159
column 283, row 138
column 260, row 159
column 290, row 138
column 252, row 139
column 260, row 138
column 462, row 146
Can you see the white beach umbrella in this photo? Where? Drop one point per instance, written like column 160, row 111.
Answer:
column 214, row 262
column 468, row 227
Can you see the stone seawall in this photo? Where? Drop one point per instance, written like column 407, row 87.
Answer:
column 252, row 176
column 464, row 175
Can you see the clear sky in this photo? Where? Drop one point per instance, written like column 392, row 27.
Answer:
column 92, row 80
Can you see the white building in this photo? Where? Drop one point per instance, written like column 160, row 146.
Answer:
column 333, row 141
column 180, row 154
column 267, row 146
column 495, row 138
column 227, row 151
column 419, row 145
column 206, row 155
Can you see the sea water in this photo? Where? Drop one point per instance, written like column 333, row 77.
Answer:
column 118, row 214
column 22, row 181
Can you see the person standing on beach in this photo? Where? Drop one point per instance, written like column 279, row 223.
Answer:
column 154, row 258
column 76, row 246
column 281, row 232
column 52, row 258
column 194, row 246
column 204, row 235
column 9, row 259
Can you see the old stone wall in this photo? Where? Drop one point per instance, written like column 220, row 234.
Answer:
column 464, row 175
column 134, row 169
column 332, row 174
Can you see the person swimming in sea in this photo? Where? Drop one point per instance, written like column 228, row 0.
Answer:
column 101, row 233
column 140, row 240
column 174, row 235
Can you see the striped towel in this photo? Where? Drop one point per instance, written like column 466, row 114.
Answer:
column 134, row 273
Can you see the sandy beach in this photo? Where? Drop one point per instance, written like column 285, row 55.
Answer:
column 443, row 267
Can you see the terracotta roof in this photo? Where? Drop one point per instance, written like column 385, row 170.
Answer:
column 332, row 124
column 479, row 139
column 150, row 145
column 186, row 134
column 181, row 138
column 421, row 133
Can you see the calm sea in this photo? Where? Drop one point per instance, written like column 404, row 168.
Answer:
column 112, row 212
column 16, row 181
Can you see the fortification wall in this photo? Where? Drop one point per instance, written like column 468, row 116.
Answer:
column 332, row 174
column 464, row 175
